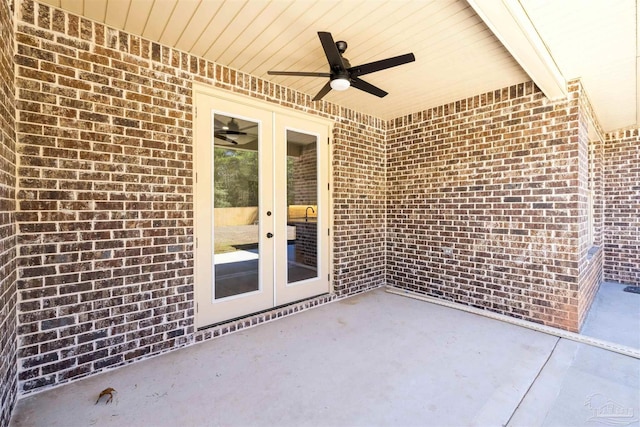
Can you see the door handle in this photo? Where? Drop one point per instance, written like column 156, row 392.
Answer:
column 269, row 235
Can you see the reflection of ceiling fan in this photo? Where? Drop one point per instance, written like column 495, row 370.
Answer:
column 229, row 131
column 342, row 74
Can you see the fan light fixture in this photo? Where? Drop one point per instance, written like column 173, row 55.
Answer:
column 340, row 84
column 341, row 74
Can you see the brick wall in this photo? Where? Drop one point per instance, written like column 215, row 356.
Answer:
column 105, row 195
column 481, row 201
column 359, row 193
column 485, row 206
column 104, row 199
column 622, row 207
column 590, row 193
column 8, row 388
column 597, row 184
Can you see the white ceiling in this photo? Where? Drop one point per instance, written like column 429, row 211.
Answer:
column 596, row 41
column 457, row 55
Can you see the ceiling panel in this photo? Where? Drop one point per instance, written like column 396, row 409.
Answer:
column 156, row 20
column 219, row 24
column 594, row 40
column 178, row 22
column 457, row 56
column 137, row 15
column 202, row 17
column 247, row 18
column 116, row 13
column 74, row 6
column 258, row 50
column 96, row 10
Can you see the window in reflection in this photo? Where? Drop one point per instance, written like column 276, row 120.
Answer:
column 302, row 206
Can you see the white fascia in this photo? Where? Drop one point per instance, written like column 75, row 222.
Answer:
column 508, row 20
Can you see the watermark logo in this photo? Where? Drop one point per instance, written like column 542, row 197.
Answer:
column 606, row 411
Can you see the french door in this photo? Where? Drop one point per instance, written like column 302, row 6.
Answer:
column 261, row 204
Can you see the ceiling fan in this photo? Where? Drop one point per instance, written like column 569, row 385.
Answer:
column 230, row 131
column 342, row 75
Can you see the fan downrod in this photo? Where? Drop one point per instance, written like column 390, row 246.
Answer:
column 342, row 46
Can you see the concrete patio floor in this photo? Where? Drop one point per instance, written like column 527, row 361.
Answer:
column 369, row 360
column 614, row 316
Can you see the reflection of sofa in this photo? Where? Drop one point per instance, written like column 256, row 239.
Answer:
column 238, row 235
column 225, row 217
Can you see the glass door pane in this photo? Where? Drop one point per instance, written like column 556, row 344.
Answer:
column 236, row 206
column 302, row 206
column 233, row 207
column 260, row 187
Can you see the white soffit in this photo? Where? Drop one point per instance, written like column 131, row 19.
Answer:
column 460, row 52
column 457, row 56
column 510, row 23
column 597, row 42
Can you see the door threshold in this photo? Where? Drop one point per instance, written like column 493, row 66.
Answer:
column 258, row 313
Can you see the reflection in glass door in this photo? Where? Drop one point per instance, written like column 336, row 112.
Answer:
column 302, row 206
column 236, row 206
column 261, row 211
column 302, row 224
column 233, row 170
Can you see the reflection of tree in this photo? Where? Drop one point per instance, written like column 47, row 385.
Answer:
column 235, row 178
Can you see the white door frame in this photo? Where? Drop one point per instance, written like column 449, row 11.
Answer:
column 208, row 310
column 289, row 292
